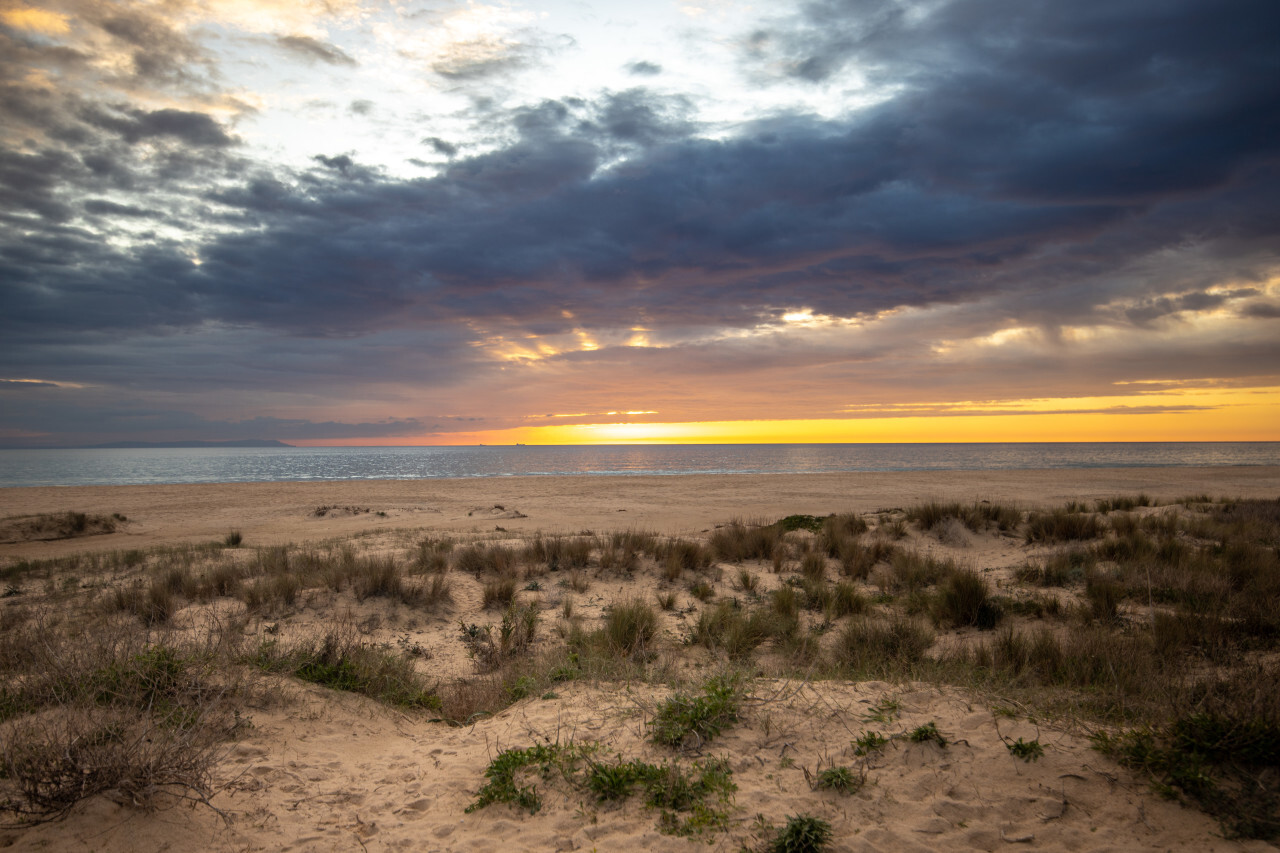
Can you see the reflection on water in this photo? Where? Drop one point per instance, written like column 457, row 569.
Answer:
column 230, row 465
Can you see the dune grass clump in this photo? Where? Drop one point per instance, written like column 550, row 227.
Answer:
column 802, row 834
column 683, row 555
column 153, row 604
column 1124, row 503
column 380, row 577
column 964, row 600
column 478, row 559
column 267, row 594
column 51, row 526
column 739, row 540
column 490, row 647
column 339, row 660
column 841, row 779
column 845, row 600
column 1221, row 753
column 880, row 648
column 1062, row 526
column 978, row 516
column 814, row 566
column 910, row 571
column 109, row 711
column 1062, row 567
column 500, row 593
column 728, row 628
column 629, row 627
column 431, row 556
column 685, row 720
column 559, row 552
column 858, row 559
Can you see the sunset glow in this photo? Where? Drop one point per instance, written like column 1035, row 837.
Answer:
column 360, row 223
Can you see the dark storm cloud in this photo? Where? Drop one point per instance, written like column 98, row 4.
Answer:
column 93, row 421
column 136, row 125
column 315, row 50
column 1051, row 158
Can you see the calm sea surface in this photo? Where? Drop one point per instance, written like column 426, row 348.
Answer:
column 236, row 465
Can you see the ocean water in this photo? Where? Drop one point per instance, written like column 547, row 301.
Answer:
column 81, row 467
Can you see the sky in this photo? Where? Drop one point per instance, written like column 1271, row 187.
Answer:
column 579, row 221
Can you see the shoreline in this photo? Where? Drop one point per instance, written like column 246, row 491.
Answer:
column 282, row 512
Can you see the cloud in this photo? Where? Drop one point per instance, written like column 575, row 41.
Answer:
column 644, row 68
column 137, row 125
column 1268, row 310
column 314, row 50
column 1067, row 169
column 440, row 146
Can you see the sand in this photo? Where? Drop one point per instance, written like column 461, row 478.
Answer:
column 319, row 770
column 278, row 513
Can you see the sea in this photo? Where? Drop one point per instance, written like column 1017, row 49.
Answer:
column 110, row 467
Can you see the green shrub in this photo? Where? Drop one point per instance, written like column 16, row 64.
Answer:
column 1026, row 750
column 840, row 779
column 688, row 721
column 802, row 834
column 340, row 661
column 927, row 733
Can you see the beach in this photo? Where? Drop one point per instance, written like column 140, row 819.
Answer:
column 306, row 767
column 277, row 513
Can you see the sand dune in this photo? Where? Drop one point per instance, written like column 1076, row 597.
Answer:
column 317, row 770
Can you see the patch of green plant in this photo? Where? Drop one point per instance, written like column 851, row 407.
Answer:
column 1026, row 750
column 802, row 834
column 684, row 720
column 1226, row 765
column 690, row 801
column 490, row 647
column 689, row 804
column 340, row 662
column 869, row 742
column 840, row 779
column 884, row 711
column 800, row 522
column 523, row 686
column 503, row 773
column 927, row 733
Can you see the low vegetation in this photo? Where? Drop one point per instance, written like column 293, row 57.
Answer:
column 1154, row 625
